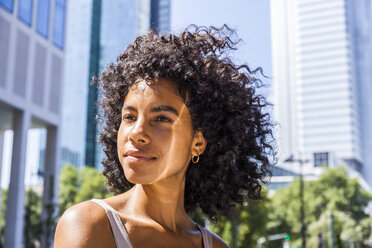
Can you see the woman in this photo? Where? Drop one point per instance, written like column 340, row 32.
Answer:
column 184, row 128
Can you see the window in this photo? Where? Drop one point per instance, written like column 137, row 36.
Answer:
column 320, row 159
column 25, row 11
column 59, row 23
column 7, row 4
column 42, row 24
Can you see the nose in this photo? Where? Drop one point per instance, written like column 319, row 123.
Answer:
column 138, row 135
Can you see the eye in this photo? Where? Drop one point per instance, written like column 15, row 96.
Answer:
column 129, row 117
column 163, row 118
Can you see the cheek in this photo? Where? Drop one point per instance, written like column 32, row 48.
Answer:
column 120, row 142
column 179, row 148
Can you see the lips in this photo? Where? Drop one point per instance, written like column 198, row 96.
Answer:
column 137, row 157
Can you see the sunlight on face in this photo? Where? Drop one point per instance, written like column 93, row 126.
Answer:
column 155, row 135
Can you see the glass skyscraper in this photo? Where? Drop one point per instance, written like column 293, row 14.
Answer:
column 97, row 32
column 322, row 55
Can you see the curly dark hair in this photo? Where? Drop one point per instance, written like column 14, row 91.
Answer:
column 222, row 101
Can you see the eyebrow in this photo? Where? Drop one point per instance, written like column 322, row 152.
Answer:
column 128, row 107
column 154, row 109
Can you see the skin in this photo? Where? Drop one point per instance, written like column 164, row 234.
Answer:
column 155, row 144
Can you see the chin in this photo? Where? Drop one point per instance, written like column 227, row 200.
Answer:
column 136, row 177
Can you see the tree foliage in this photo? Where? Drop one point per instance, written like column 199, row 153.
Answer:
column 32, row 218
column 78, row 185
column 246, row 224
column 92, row 185
column 333, row 193
column 346, row 229
column 4, row 198
column 32, row 229
column 68, row 187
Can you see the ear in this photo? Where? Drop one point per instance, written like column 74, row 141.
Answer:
column 198, row 144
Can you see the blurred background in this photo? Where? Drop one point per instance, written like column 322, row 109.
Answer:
column 317, row 58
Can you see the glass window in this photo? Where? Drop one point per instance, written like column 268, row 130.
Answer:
column 42, row 24
column 7, row 4
column 320, row 159
column 59, row 23
column 25, row 11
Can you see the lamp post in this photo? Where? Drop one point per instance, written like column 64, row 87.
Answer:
column 291, row 159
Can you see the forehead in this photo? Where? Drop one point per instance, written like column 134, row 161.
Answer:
column 160, row 89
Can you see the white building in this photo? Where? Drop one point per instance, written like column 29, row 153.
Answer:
column 322, row 55
column 31, row 66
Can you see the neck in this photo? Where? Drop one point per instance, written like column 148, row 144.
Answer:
column 161, row 202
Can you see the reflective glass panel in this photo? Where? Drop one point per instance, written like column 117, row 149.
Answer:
column 59, row 23
column 42, row 24
column 25, row 11
column 7, row 4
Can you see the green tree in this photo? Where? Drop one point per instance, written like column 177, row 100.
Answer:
column 92, row 185
column 33, row 224
column 333, row 193
column 32, row 218
column 68, row 187
column 253, row 219
column 334, row 190
column 346, row 229
column 284, row 213
column 246, row 225
column 78, row 185
column 4, row 198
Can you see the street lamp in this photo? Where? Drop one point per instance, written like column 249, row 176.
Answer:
column 291, row 159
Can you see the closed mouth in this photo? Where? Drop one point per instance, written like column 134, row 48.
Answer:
column 137, row 157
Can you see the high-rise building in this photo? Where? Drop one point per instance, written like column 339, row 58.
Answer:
column 160, row 15
column 31, row 66
column 322, row 51
column 97, row 32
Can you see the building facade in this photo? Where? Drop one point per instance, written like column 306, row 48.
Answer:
column 97, row 32
column 31, row 69
column 321, row 54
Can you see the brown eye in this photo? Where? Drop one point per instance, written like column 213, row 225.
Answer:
column 129, row 117
column 163, row 118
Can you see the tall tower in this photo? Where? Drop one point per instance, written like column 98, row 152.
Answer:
column 160, row 15
column 97, row 32
column 321, row 55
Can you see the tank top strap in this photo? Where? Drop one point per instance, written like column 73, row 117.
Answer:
column 118, row 230
column 207, row 237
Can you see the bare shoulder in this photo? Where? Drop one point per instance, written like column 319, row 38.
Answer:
column 84, row 225
column 218, row 242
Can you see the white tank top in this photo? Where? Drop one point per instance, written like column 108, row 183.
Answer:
column 121, row 235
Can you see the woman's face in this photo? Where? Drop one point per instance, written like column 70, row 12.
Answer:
column 155, row 139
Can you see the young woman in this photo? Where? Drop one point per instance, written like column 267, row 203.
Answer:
column 184, row 128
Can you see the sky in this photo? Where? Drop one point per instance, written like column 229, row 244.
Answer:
column 249, row 18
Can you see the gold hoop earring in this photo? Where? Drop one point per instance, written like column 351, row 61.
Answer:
column 195, row 161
